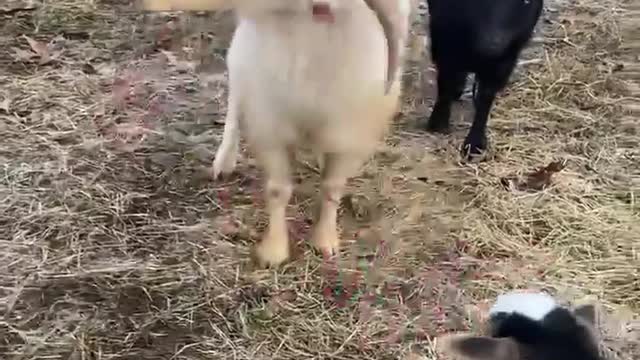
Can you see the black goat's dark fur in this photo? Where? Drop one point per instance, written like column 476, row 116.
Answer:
column 484, row 37
column 558, row 335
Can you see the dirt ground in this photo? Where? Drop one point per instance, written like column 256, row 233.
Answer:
column 116, row 244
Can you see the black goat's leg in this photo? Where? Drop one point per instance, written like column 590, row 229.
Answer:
column 460, row 87
column 450, row 86
column 476, row 141
column 489, row 83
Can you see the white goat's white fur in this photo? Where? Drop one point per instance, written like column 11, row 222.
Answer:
column 294, row 81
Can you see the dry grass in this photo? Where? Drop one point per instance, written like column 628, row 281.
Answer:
column 116, row 245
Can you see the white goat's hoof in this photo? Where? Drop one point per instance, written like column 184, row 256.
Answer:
column 224, row 162
column 270, row 253
column 326, row 244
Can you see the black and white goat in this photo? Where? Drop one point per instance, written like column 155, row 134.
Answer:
column 530, row 326
column 484, row 37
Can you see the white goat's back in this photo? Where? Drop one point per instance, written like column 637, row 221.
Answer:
column 324, row 82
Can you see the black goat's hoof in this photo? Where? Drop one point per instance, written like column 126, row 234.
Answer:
column 435, row 125
column 474, row 149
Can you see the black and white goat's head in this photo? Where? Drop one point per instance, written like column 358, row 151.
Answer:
column 530, row 326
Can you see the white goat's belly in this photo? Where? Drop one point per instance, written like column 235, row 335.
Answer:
column 309, row 75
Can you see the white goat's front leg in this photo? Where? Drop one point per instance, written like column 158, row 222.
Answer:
column 337, row 168
column 227, row 153
column 274, row 247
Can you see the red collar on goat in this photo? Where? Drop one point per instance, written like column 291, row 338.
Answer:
column 322, row 12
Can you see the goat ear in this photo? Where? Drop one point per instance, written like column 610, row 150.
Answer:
column 388, row 18
column 587, row 313
column 479, row 347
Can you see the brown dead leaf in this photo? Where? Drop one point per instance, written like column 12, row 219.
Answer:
column 22, row 55
column 89, row 69
column 278, row 301
column 173, row 60
column 537, row 180
column 171, row 57
column 227, row 225
column 168, row 36
column 5, row 104
column 120, row 91
column 41, row 49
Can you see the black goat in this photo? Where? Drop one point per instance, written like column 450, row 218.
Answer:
column 528, row 326
column 484, row 37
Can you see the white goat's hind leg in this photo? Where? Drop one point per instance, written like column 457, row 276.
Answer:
column 227, row 153
column 336, row 170
column 274, row 247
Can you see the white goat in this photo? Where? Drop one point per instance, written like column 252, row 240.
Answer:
column 324, row 73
